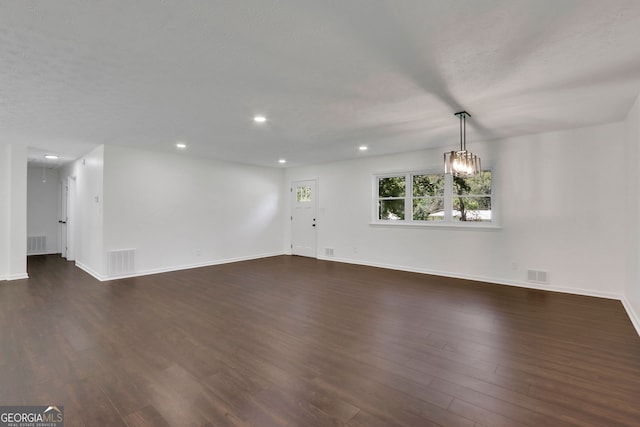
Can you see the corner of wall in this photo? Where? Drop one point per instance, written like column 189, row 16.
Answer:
column 16, row 214
column 631, row 291
column 633, row 315
column 88, row 172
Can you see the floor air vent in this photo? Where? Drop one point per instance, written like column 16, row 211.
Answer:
column 121, row 262
column 36, row 245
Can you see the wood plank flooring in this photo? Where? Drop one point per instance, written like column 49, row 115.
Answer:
column 290, row 341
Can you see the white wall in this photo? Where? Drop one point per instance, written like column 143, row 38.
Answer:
column 5, row 195
column 42, row 206
column 88, row 172
column 178, row 211
column 542, row 183
column 632, row 156
column 13, row 211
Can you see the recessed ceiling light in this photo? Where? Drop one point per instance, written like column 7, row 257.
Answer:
column 282, row 161
column 363, row 148
column 259, row 119
column 50, row 156
column 181, row 145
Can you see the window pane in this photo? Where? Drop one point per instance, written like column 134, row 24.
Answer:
column 480, row 183
column 303, row 194
column 428, row 185
column 429, row 209
column 391, row 209
column 391, row 187
column 472, row 209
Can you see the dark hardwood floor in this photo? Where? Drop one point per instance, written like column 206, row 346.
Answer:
column 289, row 341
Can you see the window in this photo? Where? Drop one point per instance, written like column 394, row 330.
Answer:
column 428, row 197
column 391, row 197
column 303, row 194
column 424, row 198
column 472, row 198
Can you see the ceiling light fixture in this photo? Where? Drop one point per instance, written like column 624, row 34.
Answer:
column 259, row 119
column 363, row 148
column 181, row 145
column 282, row 161
column 50, row 156
column 462, row 163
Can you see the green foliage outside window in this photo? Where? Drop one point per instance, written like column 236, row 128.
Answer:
column 424, row 195
column 472, row 197
column 393, row 186
column 428, row 197
column 303, row 194
column 391, row 193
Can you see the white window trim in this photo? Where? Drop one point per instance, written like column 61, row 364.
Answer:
column 448, row 222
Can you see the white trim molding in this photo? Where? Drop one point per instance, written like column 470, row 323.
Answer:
column 491, row 280
column 19, row 276
column 89, row 271
column 633, row 316
column 187, row 266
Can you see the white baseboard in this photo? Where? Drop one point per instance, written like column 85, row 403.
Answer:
column 633, row 316
column 189, row 266
column 18, row 276
column 92, row 272
column 567, row 290
column 42, row 253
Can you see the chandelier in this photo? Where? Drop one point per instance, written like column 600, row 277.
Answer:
column 462, row 163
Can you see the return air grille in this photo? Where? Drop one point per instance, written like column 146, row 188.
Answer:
column 121, row 262
column 36, row 245
column 538, row 276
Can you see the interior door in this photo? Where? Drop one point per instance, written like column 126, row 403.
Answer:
column 62, row 221
column 303, row 218
column 71, row 228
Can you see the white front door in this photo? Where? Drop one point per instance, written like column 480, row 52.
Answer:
column 303, row 218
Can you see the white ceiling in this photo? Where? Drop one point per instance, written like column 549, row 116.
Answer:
column 329, row 75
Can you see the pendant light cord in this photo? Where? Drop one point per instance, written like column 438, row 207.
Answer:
column 462, row 115
column 464, row 126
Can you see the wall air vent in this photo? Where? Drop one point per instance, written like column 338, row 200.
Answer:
column 121, row 262
column 36, row 245
column 538, row 276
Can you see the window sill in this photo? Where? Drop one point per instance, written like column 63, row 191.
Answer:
column 446, row 226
